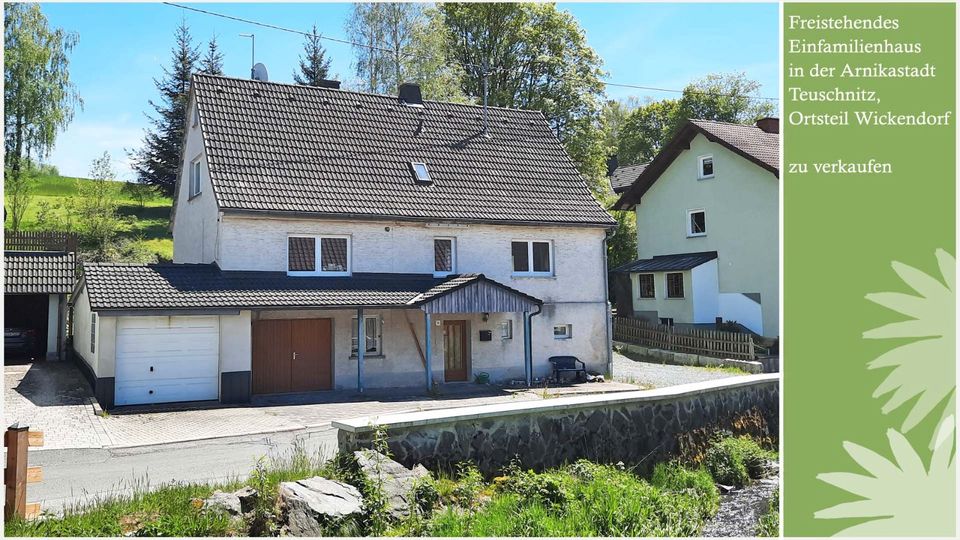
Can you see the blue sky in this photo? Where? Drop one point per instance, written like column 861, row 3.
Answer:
column 123, row 47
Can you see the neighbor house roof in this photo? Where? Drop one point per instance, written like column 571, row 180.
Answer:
column 38, row 272
column 748, row 141
column 668, row 263
column 136, row 287
column 624, row 176
column 282, row 148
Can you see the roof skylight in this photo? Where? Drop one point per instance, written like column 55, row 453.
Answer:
column 421, row 172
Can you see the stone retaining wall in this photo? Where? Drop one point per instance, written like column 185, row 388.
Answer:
column 662, row 356
column 638, row 428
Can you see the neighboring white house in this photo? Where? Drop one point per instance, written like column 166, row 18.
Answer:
column 707, row 227
column 308, row 221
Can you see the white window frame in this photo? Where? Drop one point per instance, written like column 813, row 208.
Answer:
column 666, row 286
column 653, row 279
column 506, row 329
column 426, row 170
column 567, row 331
column 700, row 160
column 196, row 176
column 531, row 272
column 319, row 256
column 453, row 256
column 93, row 333
column 378, row 325
column 690, row 213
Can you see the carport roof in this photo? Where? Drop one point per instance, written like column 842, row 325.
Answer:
column 38, row 272
column 157, row 287
column 668, row 263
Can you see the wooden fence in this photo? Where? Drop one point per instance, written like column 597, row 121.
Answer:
column 686, row 340
column 39, row 241
column 17, row 474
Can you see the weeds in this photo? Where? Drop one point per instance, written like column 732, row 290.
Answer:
column 769, row 524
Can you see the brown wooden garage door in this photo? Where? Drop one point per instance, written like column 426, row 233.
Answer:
column 292, row 355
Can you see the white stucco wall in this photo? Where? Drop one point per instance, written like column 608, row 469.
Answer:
column 678, row 309
column 235, row 342
column 196, row 219
column 737, row 307
column 706, row 292
column 81, row 330
column 408, row 247
column 741, row 205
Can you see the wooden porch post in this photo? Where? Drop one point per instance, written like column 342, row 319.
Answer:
column 361, row 348
column 428, row 365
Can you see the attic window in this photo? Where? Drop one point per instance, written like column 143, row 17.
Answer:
column 421, row 172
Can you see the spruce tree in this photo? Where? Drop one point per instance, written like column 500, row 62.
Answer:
column 157, row 163
column 212, row 61
column 314, row 64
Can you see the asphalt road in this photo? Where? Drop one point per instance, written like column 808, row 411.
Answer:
column 75, row 476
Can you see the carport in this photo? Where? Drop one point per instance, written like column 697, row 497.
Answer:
column 35, row 289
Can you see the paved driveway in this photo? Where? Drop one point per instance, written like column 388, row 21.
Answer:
column 53, row 397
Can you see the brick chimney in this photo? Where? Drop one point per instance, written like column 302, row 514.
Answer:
column 769, row 124
column 327, row 83
column 409, row 94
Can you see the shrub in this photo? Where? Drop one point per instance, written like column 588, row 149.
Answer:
column 426, row 496
column 469, row 485
column 735, row 460
column 545, row 488
column 673, row 477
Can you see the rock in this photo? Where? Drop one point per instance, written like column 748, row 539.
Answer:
column 227, row 502
column 248, row 498
column 309, row 503
column 396, row 480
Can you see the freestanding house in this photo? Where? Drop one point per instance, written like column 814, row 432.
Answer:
column 327, row 239
column 707, row 211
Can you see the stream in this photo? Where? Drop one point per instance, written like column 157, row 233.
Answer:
column 740, row 509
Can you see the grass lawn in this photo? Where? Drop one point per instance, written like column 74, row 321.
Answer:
column 147, row 226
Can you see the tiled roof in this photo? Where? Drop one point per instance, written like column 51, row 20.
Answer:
column 113, row 286
column 748, row 141
column 301, row 149
column 624, row 176
column 751, row 140
column 668, row 263
column 38, row 272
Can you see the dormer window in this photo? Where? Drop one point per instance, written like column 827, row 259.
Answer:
column 420, row 172
column 705, row 167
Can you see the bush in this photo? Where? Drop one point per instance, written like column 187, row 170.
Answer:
column 673, row 477
column 426, row 496
column 735, row 460
column 545, row 488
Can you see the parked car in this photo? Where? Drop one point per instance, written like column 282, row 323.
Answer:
column 19, row 341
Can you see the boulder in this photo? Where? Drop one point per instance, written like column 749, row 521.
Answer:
column 226, row 502
column 248, row 498
column 395, row 480
column 308, row 504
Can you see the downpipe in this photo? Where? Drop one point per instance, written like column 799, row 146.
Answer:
column 528, row 346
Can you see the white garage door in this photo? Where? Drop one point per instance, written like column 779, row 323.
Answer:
column 166, row 359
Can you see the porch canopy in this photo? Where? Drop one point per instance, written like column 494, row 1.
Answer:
column 165, row 289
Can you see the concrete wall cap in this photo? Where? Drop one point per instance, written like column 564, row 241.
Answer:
column 443, row 416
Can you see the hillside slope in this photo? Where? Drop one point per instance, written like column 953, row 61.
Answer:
column 146, row 226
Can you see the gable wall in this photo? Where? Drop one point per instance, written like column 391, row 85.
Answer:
column 195, row 224
column 741, row 204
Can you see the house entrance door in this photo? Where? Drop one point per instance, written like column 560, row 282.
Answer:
column 455, row 355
